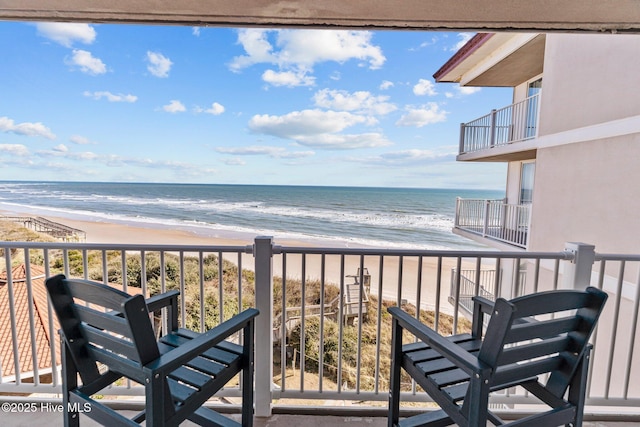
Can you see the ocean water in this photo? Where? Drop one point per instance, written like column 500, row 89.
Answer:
column 382, row 217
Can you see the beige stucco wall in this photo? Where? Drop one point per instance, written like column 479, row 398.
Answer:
column 589, row 79
column 513, row 182
column 588, row 192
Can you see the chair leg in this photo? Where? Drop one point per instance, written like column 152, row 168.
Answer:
column 476, row 404
column 578, row 387
column 247, row 376
column 69, row 382
column 396, row 363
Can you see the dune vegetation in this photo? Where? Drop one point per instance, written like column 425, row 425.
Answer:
column 371, row 357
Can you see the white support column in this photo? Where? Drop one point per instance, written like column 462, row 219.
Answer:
column 263, row 254
column 461, row 149
column 485, row 224
column 492, row 129
column 577, row 273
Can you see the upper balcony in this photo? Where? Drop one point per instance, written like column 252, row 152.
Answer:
column 495, row 136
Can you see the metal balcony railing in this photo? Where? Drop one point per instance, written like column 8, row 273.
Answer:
column 326, row 358
column 494, row 219
column 513, row 123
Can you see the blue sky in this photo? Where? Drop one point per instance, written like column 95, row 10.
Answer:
column 101, row 102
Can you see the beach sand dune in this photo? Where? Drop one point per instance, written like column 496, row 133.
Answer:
column 395, row 282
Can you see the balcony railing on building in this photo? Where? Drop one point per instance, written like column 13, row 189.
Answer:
column 516, row 122
column 323, row 360
column 494, row 219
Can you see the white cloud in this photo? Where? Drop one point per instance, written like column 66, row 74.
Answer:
column 216, row 109
column 111, row 97
column 195, row 31
column 386, row 84
column 306, row 122
column 235, row 162
column 425, row 115
column 463, row 39
column 344, row 142
column 424, row 87
column 264, row 150
column 14, row 149
column 257, row 47
column 462, row 91
column 87, row 62
column 360, row 101
column 288, row 78
column 308, row 47
column 63, row 159
column 468, row 90
column 316, row 128
column 159, row 65
column 174, row 106
column 297, row 51
column 81, row 140
column 63, row 151
column 67, row 33
column 26, row 128
column 425, row 44
column 407, row 158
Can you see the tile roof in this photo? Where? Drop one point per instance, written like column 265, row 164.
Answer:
column 41, row 329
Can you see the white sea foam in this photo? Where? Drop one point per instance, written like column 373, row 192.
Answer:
column 208, row 229
column 358, row 217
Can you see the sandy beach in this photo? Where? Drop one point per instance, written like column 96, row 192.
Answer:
column 392, row 275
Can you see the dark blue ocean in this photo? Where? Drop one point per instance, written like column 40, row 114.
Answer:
column 383, row 217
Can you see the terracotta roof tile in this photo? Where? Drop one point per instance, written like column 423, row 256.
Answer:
column 40, row 329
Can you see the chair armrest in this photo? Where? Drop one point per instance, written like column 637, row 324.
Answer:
column 453, row 352
column 159, row 301
column 486, row 305
column 187, row 351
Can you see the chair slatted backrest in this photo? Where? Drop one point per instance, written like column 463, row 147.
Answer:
column 102, row 324
column 547, row 332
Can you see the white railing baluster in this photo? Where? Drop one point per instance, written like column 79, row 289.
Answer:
column 412, row 277
column 494, row 219
column 513, row 123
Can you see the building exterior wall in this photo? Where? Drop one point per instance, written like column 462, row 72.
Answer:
column 513, row 182
column 589, row 79
column 588, row 192
column 520, row 92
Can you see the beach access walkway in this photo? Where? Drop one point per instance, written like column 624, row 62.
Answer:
column 54, row 229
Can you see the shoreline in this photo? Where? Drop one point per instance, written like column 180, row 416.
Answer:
column 334, row 270
column 98, row 231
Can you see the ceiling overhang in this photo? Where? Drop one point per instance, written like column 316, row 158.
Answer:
column 489, row 15
column 500, row 59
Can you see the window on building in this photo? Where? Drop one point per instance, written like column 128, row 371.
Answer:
column 526, row 182
column 532, row 108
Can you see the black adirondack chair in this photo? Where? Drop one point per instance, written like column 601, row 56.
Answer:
column 543, row 333
column 108, row 334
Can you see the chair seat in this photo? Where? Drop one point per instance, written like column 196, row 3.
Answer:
column 211, row 369
column 431, row 366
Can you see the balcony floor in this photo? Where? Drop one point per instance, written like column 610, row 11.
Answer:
column 277, row 420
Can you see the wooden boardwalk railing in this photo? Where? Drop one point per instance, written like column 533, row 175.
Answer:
column 43, row 225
